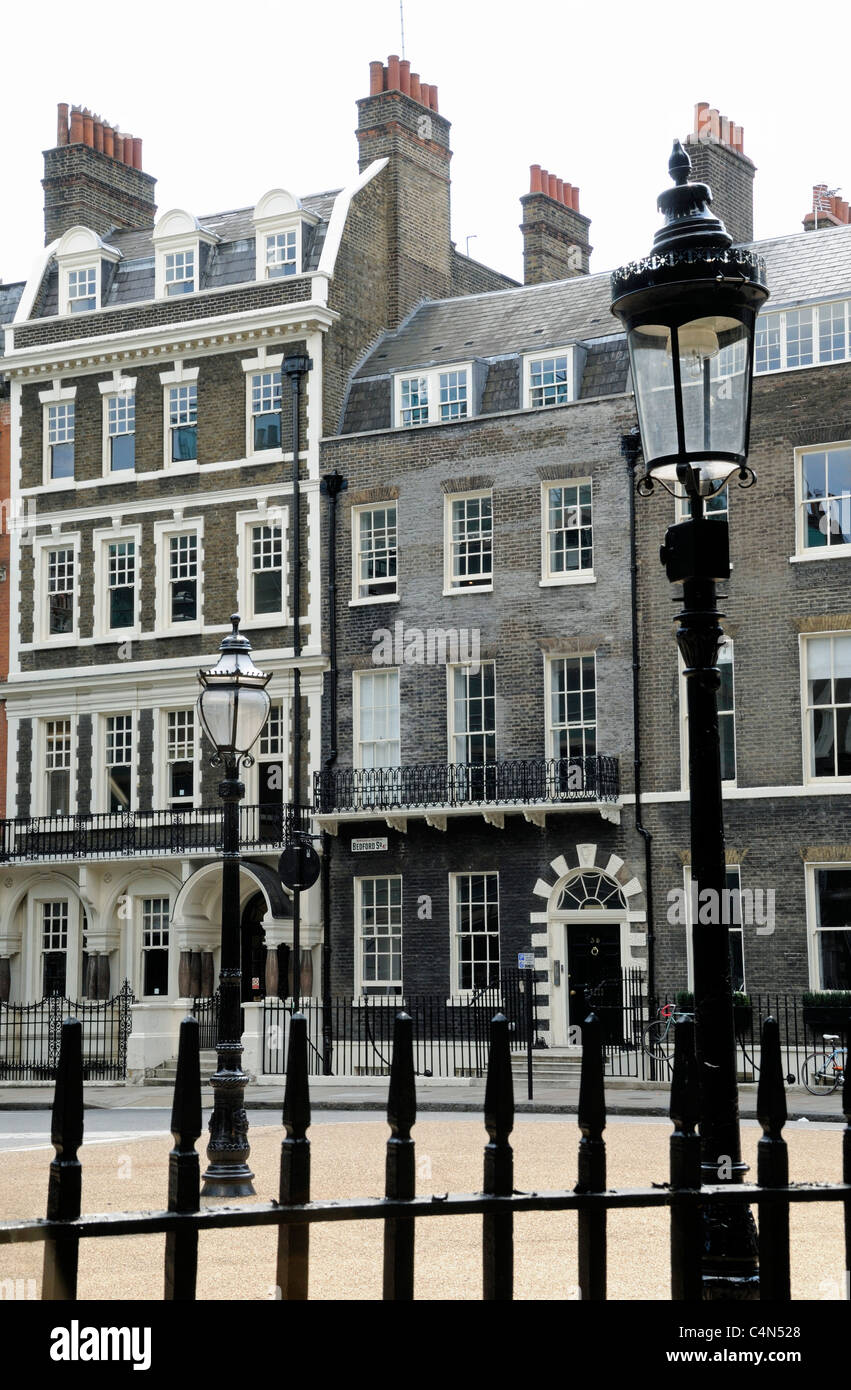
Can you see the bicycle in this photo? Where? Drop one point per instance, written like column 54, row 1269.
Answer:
column 821, row 1074
column 654, row 1037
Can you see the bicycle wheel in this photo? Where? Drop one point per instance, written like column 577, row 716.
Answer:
column 819, row 1075
column 655, row 1042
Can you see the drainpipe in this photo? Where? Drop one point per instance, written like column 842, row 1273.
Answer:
column 631, row 448
column 331, row 486
column 295, row 367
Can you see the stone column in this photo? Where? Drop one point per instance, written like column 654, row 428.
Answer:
column 306, row 976
column 272, row 972
column 184, row 972
column 208, row 975
column 90, row 985
column 195, row 975
column 103, row 977
column 5, row 978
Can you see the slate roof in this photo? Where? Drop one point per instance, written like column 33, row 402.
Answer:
column 803, row 266
column 230, row 262
column 10, row 298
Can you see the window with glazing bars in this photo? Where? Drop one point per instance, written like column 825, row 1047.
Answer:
column 179, row 272
column 183, row 422
column 376, row 552
column 471, row 542
column 82, row 289
column 121, row 421
column 155, row 924
column 267, row 573
column 806, row 337
column 54, row 946
column 452, row 397
column 828, row 662
column 573, row 707
column 119, row 761
column 825, row 498
column 183, row 577
column 380, row 930
column 121, row 583
column 414, row 401
column 570, row 548
column 266, row 410
column 180, row 754
column 548, row 381
column 57, row 765
column 476, row 927
column 60, row 439
column 280, row 254
column 60, row 592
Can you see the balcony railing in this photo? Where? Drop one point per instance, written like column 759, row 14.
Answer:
column 421, row 786
column 133, row 834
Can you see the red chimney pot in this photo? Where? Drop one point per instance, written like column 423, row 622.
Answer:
column 376, row 78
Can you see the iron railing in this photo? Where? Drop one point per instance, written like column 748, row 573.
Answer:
column 527, row 781
column 450, row 1035
column 495, row 1204
column 30, row 1035
column 207, row 1013
column 124, row 834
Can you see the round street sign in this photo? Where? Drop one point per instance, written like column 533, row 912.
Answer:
column 298, row 866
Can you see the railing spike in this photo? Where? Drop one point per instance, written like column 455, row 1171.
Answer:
column 294, row 1189
column 402, row 1093
column 773, row 1169
column 592, row 1095
column 296, row 1115
column 499, row 1087
column 591, row 1175
column 771, row 1092
column 498, row 1230
column 684, row 1153
column 184, row 1165
column 400, row 1169
column 66, row 1172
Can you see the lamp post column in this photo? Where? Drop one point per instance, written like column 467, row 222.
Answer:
column 696, row 553
column 228, row 1173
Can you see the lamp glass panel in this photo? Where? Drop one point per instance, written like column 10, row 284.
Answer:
column 715, row 384
column 251, row 712
column 215, row 710
column 653, row 380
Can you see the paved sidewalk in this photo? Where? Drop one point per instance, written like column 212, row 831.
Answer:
column 351, row 1093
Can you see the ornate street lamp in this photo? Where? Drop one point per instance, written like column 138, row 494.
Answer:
column 689, row 310
column 233, row 707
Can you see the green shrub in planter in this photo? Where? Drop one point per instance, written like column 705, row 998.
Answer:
column 827, row 1011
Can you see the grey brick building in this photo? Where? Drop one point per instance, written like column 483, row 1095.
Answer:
column 148, row 361
column 479, row 791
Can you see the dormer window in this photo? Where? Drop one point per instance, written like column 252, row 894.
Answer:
column 84, row 263
column 281, row 254
column 552, row 377
column 279, row 225
column 434, row 397
column 82, row 290
column 182, row 247
column 180, row 272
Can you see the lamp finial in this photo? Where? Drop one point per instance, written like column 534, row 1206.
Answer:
column 679, row 165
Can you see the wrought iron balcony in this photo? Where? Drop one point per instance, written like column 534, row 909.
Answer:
column 439, row 787
column 145, row 834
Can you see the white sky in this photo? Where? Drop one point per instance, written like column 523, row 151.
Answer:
column 231, row 100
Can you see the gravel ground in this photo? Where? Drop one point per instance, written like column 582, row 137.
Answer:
column 348, row 1161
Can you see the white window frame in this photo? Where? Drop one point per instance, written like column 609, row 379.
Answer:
column 392, row 596
column 163, row 801
column 780, row 318
column 81, row 249
column 550, row 578
column 178, row 231
column 280, row 211
column 802, row 550
column 551, row 728
column 530, row 359
column 179, row 376
column 252, row 777
column 274, row 516
column 813, row 954
column 272, row 262
column 432, row 375
column 451, row 732
column 180, row 267
column 91, row 270
column 360, row 983
column 731, row 869
column 117, row 388
column 163, row 533
column 40, row 797
column 72, row 956
column 56, row 395
column 450, row 498
column 42, row 546
column 383, row 673
column 139, row 903
column 102, row 538
column 253, row 366
column 456, row 989
column 714, row 507
column 100, row 799
column 809, row 779
column 727, row 648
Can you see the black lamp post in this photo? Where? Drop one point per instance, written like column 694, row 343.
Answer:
column 233, row 707
column 689, row 310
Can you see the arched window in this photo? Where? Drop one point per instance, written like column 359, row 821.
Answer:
column 591, row 890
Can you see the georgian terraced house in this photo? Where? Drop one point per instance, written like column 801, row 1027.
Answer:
column 481, row 781
column 153, row 364
column 491, row 656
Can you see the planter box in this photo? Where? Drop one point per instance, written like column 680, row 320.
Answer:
column 827, row 1018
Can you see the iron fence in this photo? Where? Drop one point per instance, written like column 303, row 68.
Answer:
column 123, row 834
column 207, row 1013
column 30, row 1037
column 450, row 1035
column 423, row 785
column 496, row 1204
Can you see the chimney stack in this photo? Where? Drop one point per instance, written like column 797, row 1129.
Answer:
column 399, row 121
column 716, row 150
column 828, row 209
column 555, row 233
column 93, row 177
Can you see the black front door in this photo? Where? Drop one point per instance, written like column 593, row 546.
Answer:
column 594, row 975
column 253, row 950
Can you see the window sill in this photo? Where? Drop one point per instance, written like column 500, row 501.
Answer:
column 836, row 784
column 118, row 634
column 468, row 589
column 370, row 602
column 561, row 582
column 266, row 456
column 833, row 552
column 49, row 644
column 179, row 630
